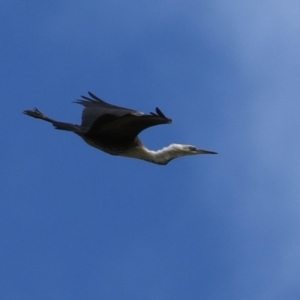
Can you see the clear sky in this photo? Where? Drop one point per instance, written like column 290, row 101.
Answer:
column 76, row 223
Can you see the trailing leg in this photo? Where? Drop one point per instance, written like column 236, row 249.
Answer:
column 35, row 113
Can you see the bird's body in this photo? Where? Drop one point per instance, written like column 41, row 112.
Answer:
column 115, row 130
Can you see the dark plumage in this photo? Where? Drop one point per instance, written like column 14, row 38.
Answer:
column 115, row 130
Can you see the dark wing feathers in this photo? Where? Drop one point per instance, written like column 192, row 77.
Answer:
column 94, row 108
column 125, row 127
column 158, row 113
column 94, row 101
column 102, row 118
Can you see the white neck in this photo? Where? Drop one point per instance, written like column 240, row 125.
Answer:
column 161, row 157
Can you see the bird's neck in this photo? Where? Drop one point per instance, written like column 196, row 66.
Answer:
column 161, row 157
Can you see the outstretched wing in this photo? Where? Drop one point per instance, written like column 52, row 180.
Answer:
column 128, row 126
column 94, row 108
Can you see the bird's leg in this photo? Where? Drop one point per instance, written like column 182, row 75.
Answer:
column 35, row 113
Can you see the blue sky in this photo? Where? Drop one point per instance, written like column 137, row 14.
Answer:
column 76, row 223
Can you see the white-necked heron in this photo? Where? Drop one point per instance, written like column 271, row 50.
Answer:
column 115, row 130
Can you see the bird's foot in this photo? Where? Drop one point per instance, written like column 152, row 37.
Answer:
column 35, row 113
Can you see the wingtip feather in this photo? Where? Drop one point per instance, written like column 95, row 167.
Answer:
column 94, row 96
column 160, row 113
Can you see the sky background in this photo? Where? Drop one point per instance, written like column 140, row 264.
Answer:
column 76, row 223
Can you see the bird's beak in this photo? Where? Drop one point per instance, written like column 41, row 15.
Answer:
column 201, row 151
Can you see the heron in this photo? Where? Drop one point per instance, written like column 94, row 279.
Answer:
column 114, row 130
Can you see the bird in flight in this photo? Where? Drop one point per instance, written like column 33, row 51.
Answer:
column 115, row 130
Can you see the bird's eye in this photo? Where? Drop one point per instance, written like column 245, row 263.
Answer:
column 192, row 148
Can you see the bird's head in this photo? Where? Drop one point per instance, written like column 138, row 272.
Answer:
column 182, row 150
column 178, row 150
column 165, row 155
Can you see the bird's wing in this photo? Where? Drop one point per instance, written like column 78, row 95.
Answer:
column 128, row 126
column 94, row 108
